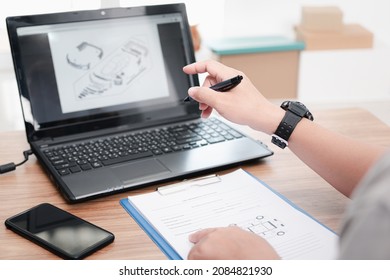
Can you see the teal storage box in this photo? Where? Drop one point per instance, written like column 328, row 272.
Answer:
column 272, row 63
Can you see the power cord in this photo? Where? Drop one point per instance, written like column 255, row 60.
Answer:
column 12, row 166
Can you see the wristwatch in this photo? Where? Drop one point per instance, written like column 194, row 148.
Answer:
column 295, row 111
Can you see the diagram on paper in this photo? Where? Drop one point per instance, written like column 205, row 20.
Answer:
column 264, row 226
column 107, row 74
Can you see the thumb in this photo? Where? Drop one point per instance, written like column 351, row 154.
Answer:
column 203, row 95
column 199, row 235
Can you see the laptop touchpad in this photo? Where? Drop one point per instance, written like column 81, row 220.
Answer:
column 134, row 171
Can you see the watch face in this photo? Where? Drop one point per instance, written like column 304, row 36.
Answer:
column 297, row 108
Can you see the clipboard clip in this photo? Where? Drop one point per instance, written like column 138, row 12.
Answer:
column 184, row 185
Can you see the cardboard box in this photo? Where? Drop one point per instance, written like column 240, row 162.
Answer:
column 271, row 63
column 352, row 36
column 322, row 18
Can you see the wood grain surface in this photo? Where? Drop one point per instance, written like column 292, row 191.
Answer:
column 29, row 186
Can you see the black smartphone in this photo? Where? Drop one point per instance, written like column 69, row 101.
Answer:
column 60, row 232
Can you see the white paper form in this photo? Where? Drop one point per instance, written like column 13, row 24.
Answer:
column 235, row 199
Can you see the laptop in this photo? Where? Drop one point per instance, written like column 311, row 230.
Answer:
column 102, row 98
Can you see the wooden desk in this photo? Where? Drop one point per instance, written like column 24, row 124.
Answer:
column 28, row 186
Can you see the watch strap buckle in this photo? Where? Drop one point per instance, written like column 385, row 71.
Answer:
column 279, row 141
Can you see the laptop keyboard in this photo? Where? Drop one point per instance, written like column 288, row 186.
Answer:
column 101, row 152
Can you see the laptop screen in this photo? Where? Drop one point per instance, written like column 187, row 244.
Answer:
column 105, row 67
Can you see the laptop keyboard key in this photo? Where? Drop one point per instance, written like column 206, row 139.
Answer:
column 235, row 133
column 127, row 158
column 63, row 172
column 86, row 166
column 96, row 164
column 65, row 165
column 75, row 169
column 157, row 152
column 217, row 139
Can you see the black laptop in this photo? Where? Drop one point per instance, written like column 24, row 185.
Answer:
column 102, row 97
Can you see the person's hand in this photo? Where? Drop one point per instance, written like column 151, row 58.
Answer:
column 229, row 243
column 243, row 104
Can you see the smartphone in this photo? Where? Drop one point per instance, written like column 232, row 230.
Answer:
column 60, row 232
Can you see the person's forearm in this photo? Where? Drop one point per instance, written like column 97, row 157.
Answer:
column 340, row 160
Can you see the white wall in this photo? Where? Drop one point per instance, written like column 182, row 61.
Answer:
column 219, row 18
column 278, row 16
column 324, row 76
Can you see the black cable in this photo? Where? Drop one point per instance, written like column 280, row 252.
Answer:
column 12, row 166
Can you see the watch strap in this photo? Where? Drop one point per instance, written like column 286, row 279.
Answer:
column 285, row 129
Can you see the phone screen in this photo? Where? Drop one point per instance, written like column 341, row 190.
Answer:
column 62, row 233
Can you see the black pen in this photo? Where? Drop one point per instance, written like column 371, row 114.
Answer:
column 223, row 86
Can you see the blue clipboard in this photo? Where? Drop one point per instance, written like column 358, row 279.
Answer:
column 152, row 233
column 167, row 248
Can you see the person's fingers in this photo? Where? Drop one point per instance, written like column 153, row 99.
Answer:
column 203, row 95
column 203, row 106
column 199, row 235
column 207, row 112
column 209, row 66
column 209, row 81
column 215, row 69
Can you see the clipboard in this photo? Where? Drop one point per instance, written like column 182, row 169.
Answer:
column 200, row 183
column 164, row 246
column 150, row 231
